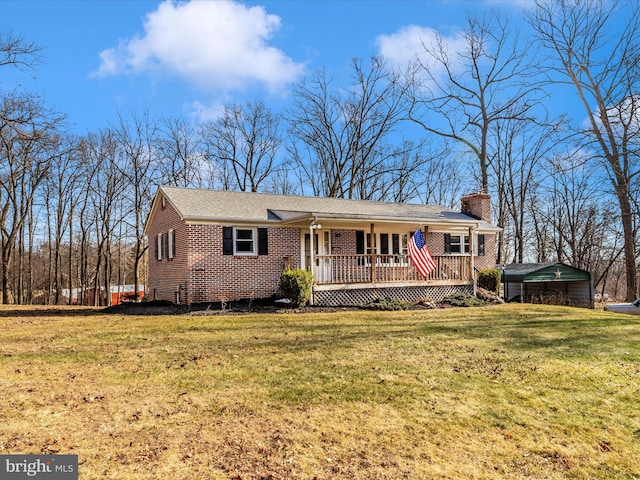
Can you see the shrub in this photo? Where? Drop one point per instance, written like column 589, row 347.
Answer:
column 386, row 303
column 463, row 300
column 489, row 279
column 295, row 284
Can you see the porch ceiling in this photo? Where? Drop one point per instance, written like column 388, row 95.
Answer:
column 365, row 221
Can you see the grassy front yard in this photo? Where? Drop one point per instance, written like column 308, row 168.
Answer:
column 499, row 392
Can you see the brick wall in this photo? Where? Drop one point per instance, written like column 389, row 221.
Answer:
column 214, row 277
column 201, row 273
column 435, row 242
column 478, row 205
column 343, row 242
column 166, row 276
column 489, row 259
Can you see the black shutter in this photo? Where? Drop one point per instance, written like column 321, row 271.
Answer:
column 384, row 244
column 227, row 240
column 359, row 242
column 481, row 249
column 173, row 244
column 155, row 250
column 447, row 243
column 263, row 241
column 395, row 239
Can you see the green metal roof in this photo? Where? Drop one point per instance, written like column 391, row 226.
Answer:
column 543, row 272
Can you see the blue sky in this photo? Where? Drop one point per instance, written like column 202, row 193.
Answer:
column 186, row 59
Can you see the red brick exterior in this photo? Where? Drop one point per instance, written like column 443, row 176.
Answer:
column 478, row 205
column 220, row 278
column 343, row 242
column 201, row 273
column 435, row 242
column 168, row 276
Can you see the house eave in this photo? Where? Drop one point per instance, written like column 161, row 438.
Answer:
column 353, row 220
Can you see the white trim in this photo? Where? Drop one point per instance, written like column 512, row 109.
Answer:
column 254, row 242
column 159, row 247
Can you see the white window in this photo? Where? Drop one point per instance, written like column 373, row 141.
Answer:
column 459, row 244
column 244, row 241
column 392, row 247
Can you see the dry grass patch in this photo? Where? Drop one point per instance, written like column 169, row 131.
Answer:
column 500, row 392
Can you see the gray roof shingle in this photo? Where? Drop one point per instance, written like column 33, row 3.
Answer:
column 221, row 205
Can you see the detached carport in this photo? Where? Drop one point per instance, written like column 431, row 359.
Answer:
column 551, row 283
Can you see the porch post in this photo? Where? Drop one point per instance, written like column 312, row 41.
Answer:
column 472, row 263
column 312, row 261
column 373, row 254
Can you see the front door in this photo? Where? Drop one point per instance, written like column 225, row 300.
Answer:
column 321, row 251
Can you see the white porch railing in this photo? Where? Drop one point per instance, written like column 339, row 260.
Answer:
column 350, row 269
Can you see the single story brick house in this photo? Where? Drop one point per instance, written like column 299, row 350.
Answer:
column 219, row 246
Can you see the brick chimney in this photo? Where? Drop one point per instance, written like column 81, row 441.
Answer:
column 477, row 205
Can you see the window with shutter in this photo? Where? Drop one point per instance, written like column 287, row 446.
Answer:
column 241, row 241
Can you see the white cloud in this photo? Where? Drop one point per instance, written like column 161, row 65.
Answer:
column 412, row 42
column 214, row 45
column 402, row 47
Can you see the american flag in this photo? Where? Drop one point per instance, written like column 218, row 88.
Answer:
column 419, row 253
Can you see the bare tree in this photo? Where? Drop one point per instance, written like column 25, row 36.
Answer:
column 522, row 147
column 580, row 223
column 106, row 187
column 61, row 197
column 341, row 137
column 17, row 51
column 28, row 134
column 139, row 168
column 486, row 82
column 182, row 161
column 593, row 47
column 243, row 143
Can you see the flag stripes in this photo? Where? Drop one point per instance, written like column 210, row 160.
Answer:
column 419, row 254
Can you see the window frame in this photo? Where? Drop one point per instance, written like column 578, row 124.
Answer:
column 171, row 244
column 395, row 242
column 461, row 245
column 253, row 241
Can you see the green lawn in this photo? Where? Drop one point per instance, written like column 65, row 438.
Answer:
column 515, row 391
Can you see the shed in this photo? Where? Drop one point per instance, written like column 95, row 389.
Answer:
column 550, row 283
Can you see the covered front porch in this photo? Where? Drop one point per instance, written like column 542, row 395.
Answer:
column 382, row 266
column 358, row 279
column 358, row 257
column 387, row 268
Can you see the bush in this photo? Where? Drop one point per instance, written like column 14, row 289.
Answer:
column 295, row 284
column 489, row 279
column 386, row 303
column 463, row 300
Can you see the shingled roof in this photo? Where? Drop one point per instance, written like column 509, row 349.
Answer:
column 195, row 205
